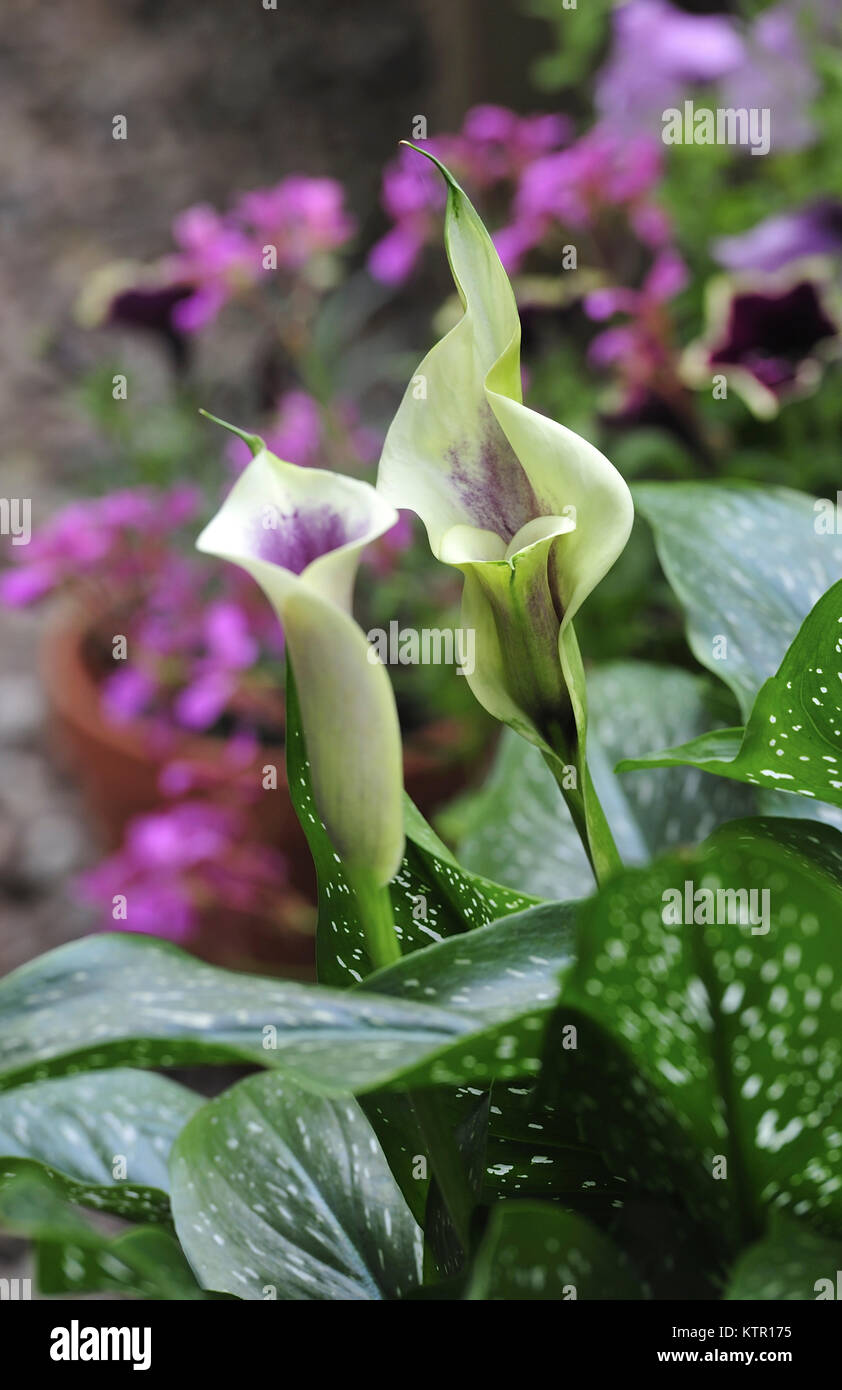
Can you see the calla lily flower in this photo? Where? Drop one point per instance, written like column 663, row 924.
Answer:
column 300, row 533
column 532, row 514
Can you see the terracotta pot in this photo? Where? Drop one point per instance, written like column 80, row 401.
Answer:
column 118, row 767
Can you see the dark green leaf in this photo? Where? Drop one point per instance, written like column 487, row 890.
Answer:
column 280, row 1193
column 112, row 999
column 716, row 1039
column 518, row 828
column 75, row 1257
column 791, row 1262
column 793, row 738
column 537, row 1252
column 107, row 1000
column 747, row 564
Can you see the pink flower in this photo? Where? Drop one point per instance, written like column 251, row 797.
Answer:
column 602, row 169
column 393, row 258
column 300, row 216
column 216, row 258
column 575, row 187
column 127, row 693
column 111, row 536
column 640, row 348
column 174, row 860
column 496, row 144
column 383, row 555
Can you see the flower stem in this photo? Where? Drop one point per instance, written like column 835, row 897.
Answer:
column 375, row 905
column 588, row 817
column 375, row 908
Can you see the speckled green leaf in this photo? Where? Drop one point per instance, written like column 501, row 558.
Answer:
column 279, row 1193
column 112, row 999
column 533, row 1251
column 747, row 564
column 72, row 1256
column 717, row 1040
column 432, row 897
column 502, row 979
column 790, row 1263
column 107, row 1000
column 793, row 739
column 518, row 828
column 104, row 1137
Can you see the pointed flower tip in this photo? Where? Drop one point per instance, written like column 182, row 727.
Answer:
column 442, row 168
column 255, row 443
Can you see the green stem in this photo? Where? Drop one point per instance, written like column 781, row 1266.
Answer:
column 588, row 817
column 375, row 904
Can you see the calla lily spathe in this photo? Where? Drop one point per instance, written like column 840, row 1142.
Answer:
column 530, row 512
column 300, row 533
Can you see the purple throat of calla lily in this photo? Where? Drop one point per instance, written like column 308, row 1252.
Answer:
column 294, row 516
column 298, row 537
column 497, row 495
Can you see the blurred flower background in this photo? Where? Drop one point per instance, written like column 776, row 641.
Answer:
column 260, row 245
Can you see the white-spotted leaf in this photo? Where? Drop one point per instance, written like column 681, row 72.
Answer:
column 281, row 1194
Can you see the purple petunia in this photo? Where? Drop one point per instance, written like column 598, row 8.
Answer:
column 814, row 230
column 657, row 52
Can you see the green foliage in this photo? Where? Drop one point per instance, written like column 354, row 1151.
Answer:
column 279, row 1193
column 518, row 829
column 790, row 741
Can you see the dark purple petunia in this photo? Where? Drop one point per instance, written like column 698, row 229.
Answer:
column 771, row 335
column 152, row 307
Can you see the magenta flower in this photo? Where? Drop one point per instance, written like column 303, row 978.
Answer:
column 494, row 147
column 495, row 144
column 301, row 216
column 216, row 258
column 601, row 170
column 639, row 341
column 229, row 647
column 575, row 187
column 127, row 694
column 412, row 197
column 175, row 860
column 384, row 554
column 113, row 535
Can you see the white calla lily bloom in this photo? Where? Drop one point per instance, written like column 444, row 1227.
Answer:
column 532, row 514
column 300, row 533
